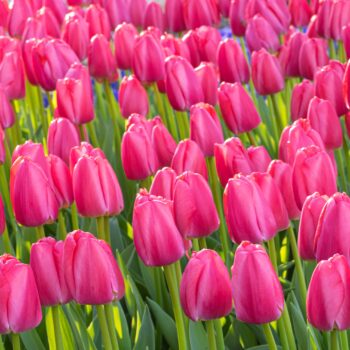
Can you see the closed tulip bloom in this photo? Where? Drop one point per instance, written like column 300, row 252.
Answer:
column 259, row 158
column 208, row 79
column 233, row 66
column 32, row 195
column 49, row 22
column 46, row 260
column 154, row 16
column 174, row 46
column 27, row 53
column 58, row 8
column 339, row 18
column 311, row 31
column 300, row 12
column 261, row 35
column 205, row 128
column 75, row 32
column 100, row 59
column 323, row 27
column 163, row 183
column 21, row 10
column 4, row 13
column 237, row 108
column 137, row 9
column 34, row 28
column 224, row 7
column 84, row 149
column 194, row 208
column 309, row 163
column 97, row 18
column 237, row 16
column 209, row 39
column 148, row 59
column 205, row 290
column 266, row 73
column 346, row 39
column 231, row 158
column 328, row 297
column 157, row 240
column 133, row 97
column 302, row 94
column 282, row 175
column 90, row 269
column 253, row 220
column 329, row 83
column 197, row 14
column 257, row 292
column 323, row 118
column 309, row 218
column 192, row 42
column 182, row 85
column 118, row 12
column 313, row 55
column 51, row 60
column 188, row 156
column 7, row 115
column 125, row 36
column 174, row 16
column 21, row 310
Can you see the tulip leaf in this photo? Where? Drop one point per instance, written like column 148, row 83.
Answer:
column 263, row 347
column 121, row 327
column 67, row 334
column 232, row 340
column 165, row 323
column 198, row 336
column 31, row 340
column 50, row 328
column 145, row 337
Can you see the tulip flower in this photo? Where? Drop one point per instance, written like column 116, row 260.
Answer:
column 323, row 20
column 163, row 183
column 154, row 16
column 46, row 260
column 4, row 13
column 133, row 97
column 7, row 115
column 49, row 22
column 192, row 42
column 339, row 18
column 125, row 36
column 208, row 40
column 251, row 268
column 188, row 156
column 118, row 12
column 309, row 218
column 259, row 158
column 237, row 108
column 237, row 16
column 194, row 208
column 346, row 39
column 100, row 59
column 21, row 310
column 328, row 297
column 174, row 46
column 205, row 290
column 282, row 175
column 34, row 28
column 252, row 220
column 137, row 9
column 34, row 151
column 90, row 269
column 233, row 66
column 98, row 21
column 208, row 79
column 27, row 54
column 182, row 85
column 157, row 240
column 266, row 73
column 148, row 59
column 323, row 118
column 21, row 10
column 58, row 8
column 309, row 163
column 301, row 96
column 224, row 7
column 174, row 15
column 300, row 12
column 231, row 158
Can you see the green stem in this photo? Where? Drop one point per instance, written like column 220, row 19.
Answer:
column 170, row 276
column 195, row 245
column 40, row 232
column 42, row 113
column 202, row 243
column 57, row 327
column 74, row 215
column 182, row 123
column 219, row 335
column 111, row 325
column 340, row 163
column 62, row 231
column 269, row 336
column 104, row 327
column 16, row 342
column 211, row 334
column 51, row 106
column 170, row 118
column 7, row 242
column 278, row 113
column 81, row 133
column 159, row 103
column 344, row 340
column 334, row 340
column 100, row 228
column 347, row 155
column 107, row 230
column 272, row 252
column 288, row 328
column 332, row 52
column 251, row 138
column 92, row 134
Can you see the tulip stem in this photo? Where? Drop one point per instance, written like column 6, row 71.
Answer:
column 7, row 242
column 195, row 244
column 334, row 340
column 159, row 103
column 269, row 336
column 100, row 228
column 171, row 119
column 51, row 106
column 211, row 334
column 202, row 243
column 347, row 156
column 340, row 166
column 219, row 335
column 40, row 232
column 104, row 327
column 272, row 252
column 111, row 327
column 74, row 214
column 62, row 232
column 107, row 230
column 44, row 122
column 16, row 342
column 182, row 123
column 170, row 276
column 57, row 327
column 344, row 340
column 251, row 138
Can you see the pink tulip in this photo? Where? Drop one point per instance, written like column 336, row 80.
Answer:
column 174, row 46
column 208, row 39
column 21, row 10
column 34, row 28
column 259, row 158
column 192, row 42
column 163, row 183
column 137, row 9
column 346, row 39
column 174, row 15
column 208, row 79
column 301, row 96
column 154, row 16
column 98, row 21
column 49, row 22
column 7, row 115
column 237, row 16
column 300, row 11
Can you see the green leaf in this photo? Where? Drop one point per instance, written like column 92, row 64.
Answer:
column 198, row 336
column 31, row 340
column 67, row 334
column 122, row 328
column 264, row 347
column 145, row 338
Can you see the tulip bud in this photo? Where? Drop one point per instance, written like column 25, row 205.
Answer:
column 27, row 54
column 174, row 15
column 18, row 288
column 266, row 73
column 282, row 175
column 192, row 42
column 194, row 208
column 189, row 157
column 133, row 97
column 174, row 46
column 90, row 269
column 253, row 220
column 156, row 237
column 182, row 85
column 339, row 18
column 208, row 79
column 328, row 297
column 59, row 9
column 117, row 11
column 302, row 94
column 259, row 158
column 232, row 64
column 125, row 36
column 323, row 118
column 34, row 28
column 7, row 115
column 208, row 39
column 137, row 9
column 49, row 22
column 237, row 108
column 206, row 272
column 224, row 7
column 237, row 16
column 261, row 35
column 154, row 16
column 163, row 183
column 46, row 260
column 4, row 13
column 323, row 27
column 148, row 59
column 313, row 55
column 205, row 128
column 98, row 21
column 309, row 218
column 21, row 10
column 300, row 12
column 251, row 268
column 346, row 39
column 309, row 163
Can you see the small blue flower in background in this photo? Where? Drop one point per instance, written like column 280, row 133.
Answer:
column 115, row 88
column 46, row 101
column 226, row 32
